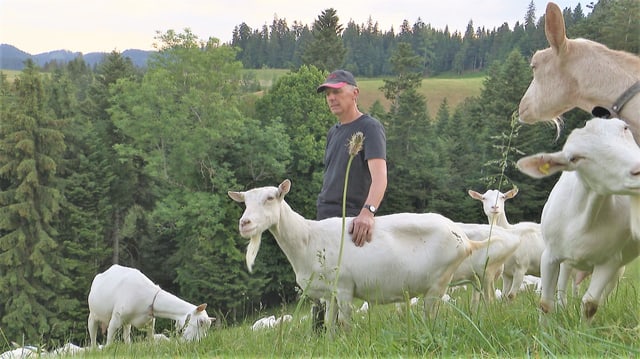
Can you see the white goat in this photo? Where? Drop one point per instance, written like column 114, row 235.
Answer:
column 23, row 352
column 580, row 73
column 123, row 296
column 67, row 350
column 270, row 321
column 526, row 259
column 363, row 308
column 264, row 322
column 592, row 216
column 486, row 264
column 531, row 281
column 410, row 254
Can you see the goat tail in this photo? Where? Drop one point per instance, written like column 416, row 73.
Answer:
column 476, row 245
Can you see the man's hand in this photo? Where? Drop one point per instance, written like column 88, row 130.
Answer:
column 361, row 228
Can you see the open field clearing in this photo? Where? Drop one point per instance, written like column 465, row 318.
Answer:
column 10, row 74
column 434, row 89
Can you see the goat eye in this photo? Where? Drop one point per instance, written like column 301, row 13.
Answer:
column 575, row 159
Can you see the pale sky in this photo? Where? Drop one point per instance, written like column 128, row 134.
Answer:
column 37, row 26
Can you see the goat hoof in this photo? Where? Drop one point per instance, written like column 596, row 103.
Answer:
column 589, row 309
column 545, row 307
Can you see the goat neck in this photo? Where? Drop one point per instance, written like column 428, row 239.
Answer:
column 291, row 231
column 168, row 306
column 499, row 220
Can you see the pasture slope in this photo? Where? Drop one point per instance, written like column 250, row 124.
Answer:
column 501, row 329
column 434, row 89
column 498, row 330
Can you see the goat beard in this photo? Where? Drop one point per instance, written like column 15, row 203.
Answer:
column 635, row 218
column 252, row 250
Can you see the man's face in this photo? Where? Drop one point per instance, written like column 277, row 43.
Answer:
column 342, row 99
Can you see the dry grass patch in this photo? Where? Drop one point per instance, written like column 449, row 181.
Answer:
column 435, row 90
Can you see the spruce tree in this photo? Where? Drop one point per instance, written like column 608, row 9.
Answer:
column 408, row 127
column 327, row 50
column 504, row 86
column 406, row 67
column 128, row 187
column 81, row 180
column 32, row 282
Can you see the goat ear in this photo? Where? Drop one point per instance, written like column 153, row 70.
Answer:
column 284, row 188
column 511, row 193
column 201, row 307
column 554, row 28
column 542, row 164
column 475, row 195
column 236, row 196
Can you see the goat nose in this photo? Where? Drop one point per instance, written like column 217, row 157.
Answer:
column 244, row 222
column 635, row 171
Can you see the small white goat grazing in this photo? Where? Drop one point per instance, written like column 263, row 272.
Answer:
column 67, row 350
column 270, row 321
column 123, row 296
column 265, row 322
column 409, row 254
column 486, row 264
column 24, row 352
column 592, row 216
column 526, row 259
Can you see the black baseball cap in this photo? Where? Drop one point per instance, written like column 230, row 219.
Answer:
column 337, row 79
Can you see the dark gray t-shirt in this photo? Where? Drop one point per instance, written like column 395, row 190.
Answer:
column 336, row 157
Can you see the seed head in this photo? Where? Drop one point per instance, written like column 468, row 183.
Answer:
column 355, row 144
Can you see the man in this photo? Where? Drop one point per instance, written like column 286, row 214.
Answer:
column 368, row 171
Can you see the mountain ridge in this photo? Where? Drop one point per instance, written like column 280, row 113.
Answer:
column 12, row 58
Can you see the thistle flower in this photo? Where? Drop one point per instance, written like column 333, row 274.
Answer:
column 356, row 143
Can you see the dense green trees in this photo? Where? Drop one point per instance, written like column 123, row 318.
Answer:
column 184, row 125
column 369, row 48
column 114, row 165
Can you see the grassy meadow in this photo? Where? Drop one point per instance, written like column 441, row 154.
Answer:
column 10, row 74
column 499, row 329
column 503, row 329
column 434, row 89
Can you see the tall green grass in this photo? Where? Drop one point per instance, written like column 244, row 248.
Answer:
column 502, row 329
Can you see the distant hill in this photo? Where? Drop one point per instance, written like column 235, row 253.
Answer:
column 12, row 58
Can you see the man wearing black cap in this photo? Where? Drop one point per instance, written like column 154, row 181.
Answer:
column 368, row 172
